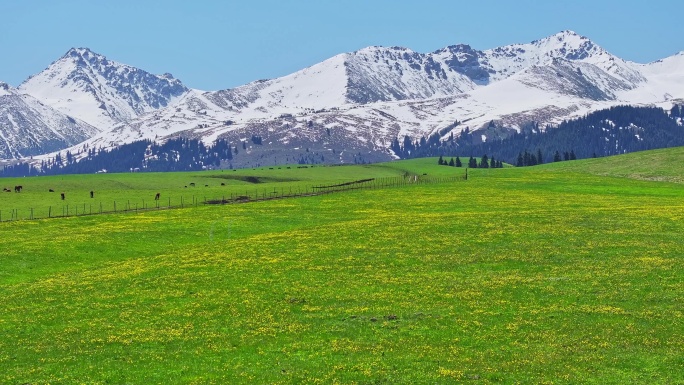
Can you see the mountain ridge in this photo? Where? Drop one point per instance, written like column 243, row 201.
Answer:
column 104, row 92
column 368, row 96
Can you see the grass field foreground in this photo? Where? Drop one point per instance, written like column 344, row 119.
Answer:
column 535, row 275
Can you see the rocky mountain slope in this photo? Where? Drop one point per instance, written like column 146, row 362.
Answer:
column 28, row 127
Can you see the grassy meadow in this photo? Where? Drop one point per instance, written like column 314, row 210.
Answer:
column 128, row 192
column 563, row 273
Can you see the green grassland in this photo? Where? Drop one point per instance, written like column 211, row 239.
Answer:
column 138, row 190
column 655, row 165
column 563, row 273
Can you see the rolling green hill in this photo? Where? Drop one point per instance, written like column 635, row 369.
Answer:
column 656, row 165
column 548, row 274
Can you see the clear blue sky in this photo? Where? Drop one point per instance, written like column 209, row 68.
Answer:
column 221, row 44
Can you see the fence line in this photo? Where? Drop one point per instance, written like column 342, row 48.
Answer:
column 278, row 192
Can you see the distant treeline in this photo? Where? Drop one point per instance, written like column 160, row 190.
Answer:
column 179, row 154
column 612, row 131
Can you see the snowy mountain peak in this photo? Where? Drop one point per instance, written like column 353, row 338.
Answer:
column 567, row 35
column 101, row 91
column 81, row 51
column 398, row 73
column 568, row 45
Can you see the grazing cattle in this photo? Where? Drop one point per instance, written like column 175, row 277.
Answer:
column 223, row 184
column 18, row 188
column 92, row 194
column 62, row 194
column 156, row 197
column 206, row 185
column 51, row 190
column 192, row 184
column 5, row 189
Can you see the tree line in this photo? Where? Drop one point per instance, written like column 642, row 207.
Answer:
column 485, row 162
column 180, row 154
column 613, row 131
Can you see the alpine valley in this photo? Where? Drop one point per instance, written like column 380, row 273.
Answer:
column 350, row 108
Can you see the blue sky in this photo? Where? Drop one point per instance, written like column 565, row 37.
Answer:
column 221, row 44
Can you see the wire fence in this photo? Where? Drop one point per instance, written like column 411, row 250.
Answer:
column 249, row 195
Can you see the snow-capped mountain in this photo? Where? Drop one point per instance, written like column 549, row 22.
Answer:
column 369, row 75
column 101, row 92
column 496, row 64
column 378, row 74
column 28, row 127
column 357, row 103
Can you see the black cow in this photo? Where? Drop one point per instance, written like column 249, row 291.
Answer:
column 18, row 188
column 156, row 197
column 92, row 194
column 62, row 194
column 192, row 184
column 51, row 190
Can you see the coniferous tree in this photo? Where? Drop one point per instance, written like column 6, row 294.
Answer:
column 458, row 162
column 452, row 163
column 396, row 147
column 440, row 161
column 557, row 157
column 408, row 148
